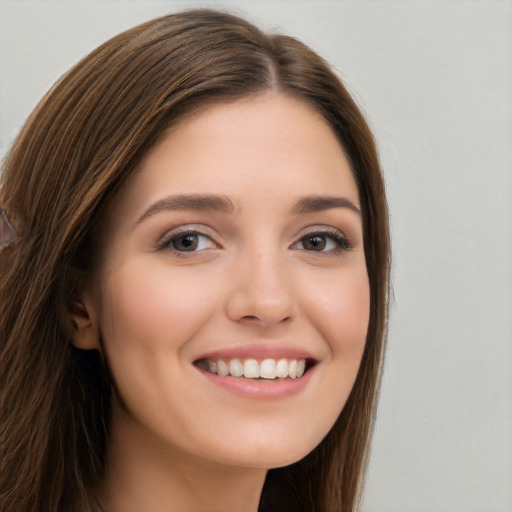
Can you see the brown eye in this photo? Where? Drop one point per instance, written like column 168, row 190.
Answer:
column 314, row 243
column 327, row 240
column 185, row 243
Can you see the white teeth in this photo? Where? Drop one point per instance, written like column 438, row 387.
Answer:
column 282, row 368
column 268, row 369
column 222, row 368
column 292, row 369
column 251, row 369
column 235, row 368
column 301, row 367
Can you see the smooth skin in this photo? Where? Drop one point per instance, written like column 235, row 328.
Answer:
column 261, row 262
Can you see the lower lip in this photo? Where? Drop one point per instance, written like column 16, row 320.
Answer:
column 260, row 389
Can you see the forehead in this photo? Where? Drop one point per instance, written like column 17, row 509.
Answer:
column 266, row 147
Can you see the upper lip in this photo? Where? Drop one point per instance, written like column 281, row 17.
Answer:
column 259, row 351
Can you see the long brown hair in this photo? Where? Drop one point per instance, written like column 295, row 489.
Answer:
column 76, row 150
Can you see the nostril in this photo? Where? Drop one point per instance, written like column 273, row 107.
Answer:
column 254, row 318
column 250, row 317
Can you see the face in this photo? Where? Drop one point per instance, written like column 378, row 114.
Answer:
column 233, row 295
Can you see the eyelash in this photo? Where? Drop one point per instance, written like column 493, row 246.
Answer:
column 166, row 243
column 324, row 232
column 329, row 233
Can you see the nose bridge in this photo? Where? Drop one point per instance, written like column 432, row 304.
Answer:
column 262, row 288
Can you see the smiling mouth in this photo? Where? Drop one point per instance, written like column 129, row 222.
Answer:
column 252, row 369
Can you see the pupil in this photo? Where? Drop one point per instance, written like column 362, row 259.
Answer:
column 314, row 243
column 186, row 243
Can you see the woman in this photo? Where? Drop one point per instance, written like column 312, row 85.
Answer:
column 196, row 295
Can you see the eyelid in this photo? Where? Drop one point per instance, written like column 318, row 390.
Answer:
column 185, row 229
column 342, row 241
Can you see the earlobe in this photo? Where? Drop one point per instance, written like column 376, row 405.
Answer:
column 85, row 324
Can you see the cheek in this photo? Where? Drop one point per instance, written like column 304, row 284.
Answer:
column 149, row 315
column 148, row 308
column 338, row 310
column 342, row 311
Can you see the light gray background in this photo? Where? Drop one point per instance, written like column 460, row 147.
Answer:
column 435, row 79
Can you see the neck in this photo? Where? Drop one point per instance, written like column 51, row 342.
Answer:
column 145, row 473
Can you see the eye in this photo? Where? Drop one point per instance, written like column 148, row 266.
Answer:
column 187, row 241
column 327, row 240
column 190, row 242
column 317, row 243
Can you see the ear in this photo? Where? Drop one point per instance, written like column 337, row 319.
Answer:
column 85, row 323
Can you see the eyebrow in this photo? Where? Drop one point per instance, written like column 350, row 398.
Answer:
column 223, row 204
column 201, row 202
column 313, row 204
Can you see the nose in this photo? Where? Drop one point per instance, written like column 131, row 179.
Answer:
column 261, row 292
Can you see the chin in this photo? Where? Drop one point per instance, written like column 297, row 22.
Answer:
column 267, row 448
